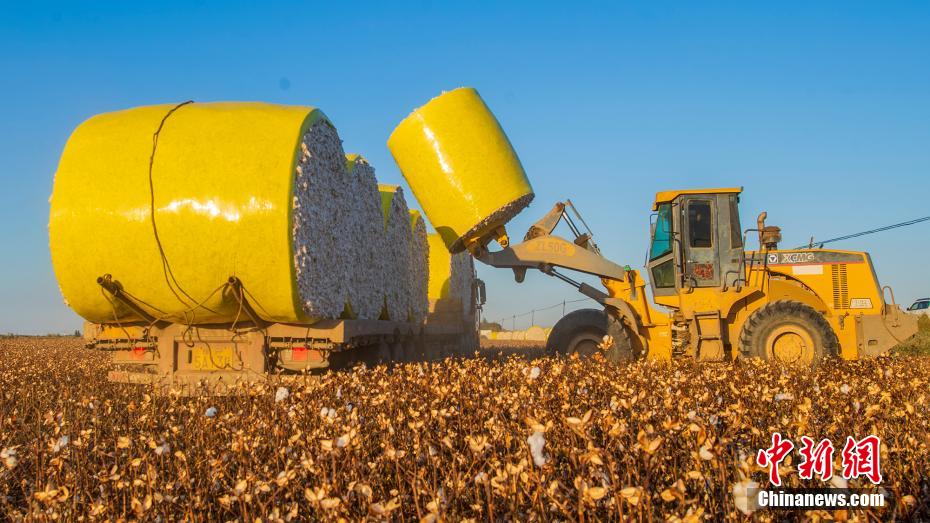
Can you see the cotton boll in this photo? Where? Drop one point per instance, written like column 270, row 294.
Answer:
column 61, row 444
column 537, row 442
column 281, row 394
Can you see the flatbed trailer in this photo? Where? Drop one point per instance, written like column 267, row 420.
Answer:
column 219, row 356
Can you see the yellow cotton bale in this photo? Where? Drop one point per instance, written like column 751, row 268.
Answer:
column 461, row 167
column 535, row 333
column 418, row 273
column 396, row 250
column 362, row 241
column 231, row 196
column 451, row 279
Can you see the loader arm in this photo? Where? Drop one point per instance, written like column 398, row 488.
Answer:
column 544, row 251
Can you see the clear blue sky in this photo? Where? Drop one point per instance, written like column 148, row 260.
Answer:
column 821, row 110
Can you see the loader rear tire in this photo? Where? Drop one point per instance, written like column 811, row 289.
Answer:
column 789, row 332
column 582, row 332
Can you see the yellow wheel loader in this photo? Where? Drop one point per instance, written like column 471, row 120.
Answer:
column 717, row 300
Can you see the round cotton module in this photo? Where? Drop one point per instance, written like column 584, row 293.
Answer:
column 367, row 264
column 535, row 333
column 451, row 280
column 395, row 249
column 419, row 268
column 249, row 190
column 461, row 167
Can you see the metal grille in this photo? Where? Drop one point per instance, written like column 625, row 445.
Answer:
column 840, row 287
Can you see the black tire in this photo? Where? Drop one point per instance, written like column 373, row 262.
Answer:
column 788, row 331
column 582, row 332
column 622, row 349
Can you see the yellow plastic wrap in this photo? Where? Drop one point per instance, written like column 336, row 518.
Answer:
column 461, row 166
column 223, row 180
column 440, row 268
column 451, row 277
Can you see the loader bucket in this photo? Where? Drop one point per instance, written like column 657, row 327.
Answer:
column 461, row 167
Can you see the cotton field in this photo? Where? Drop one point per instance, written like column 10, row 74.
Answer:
column 482, row 439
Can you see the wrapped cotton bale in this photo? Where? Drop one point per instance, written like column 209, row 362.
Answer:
column 395, row 249
column 249, row 190
column 419, row 268
column 535, row 333
column 367, row 263
column 451, row 279
column 461, row 167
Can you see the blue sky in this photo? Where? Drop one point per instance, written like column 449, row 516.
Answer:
column 821, row 110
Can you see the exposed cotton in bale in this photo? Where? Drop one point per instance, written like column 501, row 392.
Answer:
column 249, row 190
column 461, row 166
column 366, row 262
column 323, row 223
column 451, row 279
column 395, row 248
column 419, row 268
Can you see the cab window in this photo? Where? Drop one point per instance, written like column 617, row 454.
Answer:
column 662, row 233
column 663, row 274
column 736, row 236
column 700, row 224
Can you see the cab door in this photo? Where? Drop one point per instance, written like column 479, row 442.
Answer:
column 701, row 262
column 662, row 261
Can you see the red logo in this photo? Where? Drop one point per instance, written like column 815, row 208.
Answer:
column 861, row 458
column 816, row 460
column 774, row 455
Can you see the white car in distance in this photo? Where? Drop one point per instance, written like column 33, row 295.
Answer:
column 920, row 307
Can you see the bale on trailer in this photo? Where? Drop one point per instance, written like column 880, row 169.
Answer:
column 368, row 264
column 171, row 201
column 419, row 268
column 395, row 247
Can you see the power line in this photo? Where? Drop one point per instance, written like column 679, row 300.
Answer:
column 513, row 317
column 863, row 233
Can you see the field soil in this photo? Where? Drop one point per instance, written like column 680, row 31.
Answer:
column 486, row 439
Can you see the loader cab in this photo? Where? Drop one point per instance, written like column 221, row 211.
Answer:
column 696, row 241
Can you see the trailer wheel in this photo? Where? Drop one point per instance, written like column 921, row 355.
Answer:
column 789, row 332
column 582, row 332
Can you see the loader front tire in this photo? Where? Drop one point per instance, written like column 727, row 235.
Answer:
column 789, row 332
column 583, row 332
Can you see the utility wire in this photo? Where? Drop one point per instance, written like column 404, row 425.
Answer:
column 513, row 317
column 863, row 233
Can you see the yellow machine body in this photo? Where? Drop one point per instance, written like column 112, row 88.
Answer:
column 221, row 188
column 840, row 285
column 461, row 167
